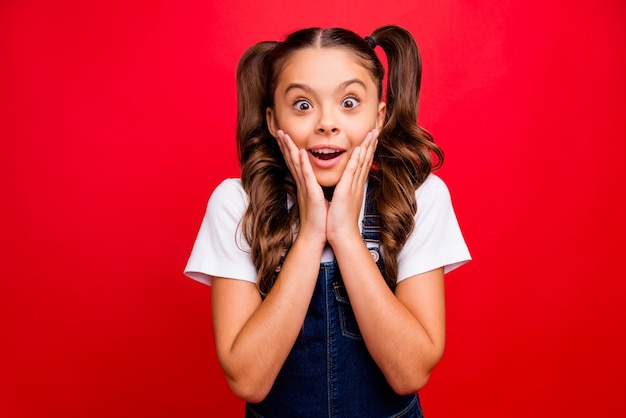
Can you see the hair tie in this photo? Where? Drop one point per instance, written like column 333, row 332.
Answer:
column 371, row 42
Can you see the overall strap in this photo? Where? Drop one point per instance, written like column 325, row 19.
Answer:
column 371, row 219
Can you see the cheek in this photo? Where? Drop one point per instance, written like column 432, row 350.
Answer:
column 362, row 125
column 297, row 128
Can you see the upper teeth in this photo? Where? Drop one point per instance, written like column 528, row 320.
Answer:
column 326, row 151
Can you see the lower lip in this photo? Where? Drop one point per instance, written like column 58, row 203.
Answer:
column 325, row 163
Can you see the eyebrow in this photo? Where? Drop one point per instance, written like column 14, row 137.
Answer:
column 341, row 86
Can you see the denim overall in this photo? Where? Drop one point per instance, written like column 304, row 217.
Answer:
column 329, row 372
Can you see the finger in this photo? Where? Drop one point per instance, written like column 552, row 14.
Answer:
column 305, row 166
column 368, row 156
column 284, row 149
column 287, row 144
column 364, row 147
column 302, row 170
column 349, row 172
column 292, row 155
column 365, row 160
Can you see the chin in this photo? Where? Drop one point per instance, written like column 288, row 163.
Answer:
column 327, row 179
column 327, row 183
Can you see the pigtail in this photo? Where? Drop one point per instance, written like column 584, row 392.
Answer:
column 404, row 154
column 404, row 73
column 251, row 96
column 267, row 222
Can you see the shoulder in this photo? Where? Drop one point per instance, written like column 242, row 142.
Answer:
column 220, row 248
column 433, row 188
column 436, row 240
column 433, row 195
column 228, row 202
column 433, row 201
column 229, row 188
column 229, row 196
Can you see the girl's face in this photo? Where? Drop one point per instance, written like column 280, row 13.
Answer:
column 327, row 102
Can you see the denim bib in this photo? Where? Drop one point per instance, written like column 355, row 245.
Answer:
column 329, row 372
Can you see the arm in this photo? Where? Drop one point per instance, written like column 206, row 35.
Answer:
column 404, row 332
column 254, row 336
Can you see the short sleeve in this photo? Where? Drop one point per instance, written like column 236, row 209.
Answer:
column 220, row 248
column 436, row 240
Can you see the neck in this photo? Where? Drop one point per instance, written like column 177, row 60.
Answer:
column 328, row 192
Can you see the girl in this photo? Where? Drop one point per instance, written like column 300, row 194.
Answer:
column 327, row 257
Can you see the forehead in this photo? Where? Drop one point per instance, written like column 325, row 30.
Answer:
column 319, row 65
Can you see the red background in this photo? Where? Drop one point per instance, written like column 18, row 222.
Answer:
column 117, row 121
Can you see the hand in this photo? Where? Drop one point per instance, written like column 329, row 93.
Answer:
column 312, row 205
column 343, row 213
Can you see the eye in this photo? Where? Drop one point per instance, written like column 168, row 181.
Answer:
column 350, row 102
column 302, row 105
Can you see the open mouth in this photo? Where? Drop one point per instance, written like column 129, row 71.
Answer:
column 327, row 153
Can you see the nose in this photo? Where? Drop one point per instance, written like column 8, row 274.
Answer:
column 327, row 124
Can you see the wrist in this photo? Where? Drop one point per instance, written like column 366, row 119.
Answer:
column 312, row 240
column 345, row 239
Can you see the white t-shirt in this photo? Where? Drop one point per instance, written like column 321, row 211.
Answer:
column 221, row 250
